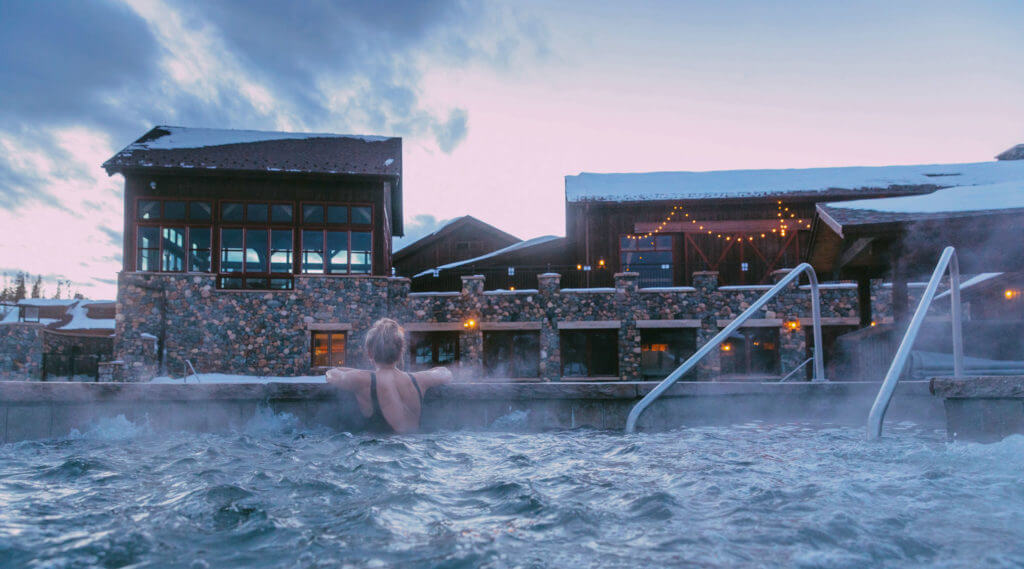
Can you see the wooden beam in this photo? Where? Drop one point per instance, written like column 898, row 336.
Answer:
column 497, row 326
column 590, row 325
column 681, row 323
column 851, row 252
column 755, row 322
column 329, row 326
column 715, row 226
column 434, row 327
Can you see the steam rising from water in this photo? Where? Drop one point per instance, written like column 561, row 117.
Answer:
column 274, row 495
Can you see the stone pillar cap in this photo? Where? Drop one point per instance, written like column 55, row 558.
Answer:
column 549, row 275
column 472, row 277
column 626, row 275
column 704, row 273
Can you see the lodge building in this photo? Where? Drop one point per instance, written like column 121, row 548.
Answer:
column 264, row 253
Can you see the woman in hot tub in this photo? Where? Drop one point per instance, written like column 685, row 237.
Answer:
column 389, row 398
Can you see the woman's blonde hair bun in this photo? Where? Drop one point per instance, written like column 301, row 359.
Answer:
column 385, row 341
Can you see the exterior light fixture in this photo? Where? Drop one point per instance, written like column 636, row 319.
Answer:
column 1011, row 294
column 792, row 325
column 469, row 324
column 579, row 267
column 600, row 262
column 726, row 347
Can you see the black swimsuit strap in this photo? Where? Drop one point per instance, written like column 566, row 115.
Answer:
column 416, row 385
column 373, row 396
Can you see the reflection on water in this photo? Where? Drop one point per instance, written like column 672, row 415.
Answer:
column 275, row 495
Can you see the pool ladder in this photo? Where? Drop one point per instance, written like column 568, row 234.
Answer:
column 819, row 365
column 948, row 261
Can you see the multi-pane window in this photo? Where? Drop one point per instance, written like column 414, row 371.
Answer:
column 590, row 353
column 253, row 245
column 327, row 349
column 751, row 351
column 431, row 349
column 173, row 236
column 651, row 257
column 512, row 354
column 336, row 239
column 664, row 350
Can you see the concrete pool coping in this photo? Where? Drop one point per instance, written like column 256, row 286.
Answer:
column 34, row 410
column 985, row 408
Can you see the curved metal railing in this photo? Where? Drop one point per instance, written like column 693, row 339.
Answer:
column 819, row 365
column 947, row 260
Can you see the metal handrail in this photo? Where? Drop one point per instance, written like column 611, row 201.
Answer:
column 947, row 260
column 819, row 366
column 796, row 369
column 194, row 372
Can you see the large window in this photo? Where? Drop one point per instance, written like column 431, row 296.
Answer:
column 336, row 239
column 664, row 350
column 751, row 352
column 431, row 349
column 173, row 236
column 512, row 354
column 328, row 349
column 651, row 257
column 590, row 353
column 254, row 245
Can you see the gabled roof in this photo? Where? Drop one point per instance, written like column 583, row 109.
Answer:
column 811, row 182
column 447, row 229
column 176, row 147
column 521, row 247
column 188, row 149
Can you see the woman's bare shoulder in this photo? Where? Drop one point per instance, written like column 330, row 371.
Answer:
column 434, row 376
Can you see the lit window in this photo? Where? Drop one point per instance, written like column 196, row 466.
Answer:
column 328, row 349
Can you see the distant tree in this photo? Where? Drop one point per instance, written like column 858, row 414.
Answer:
column 37, row 287
column 60, row 289
column 79, row 295
column 19, row 286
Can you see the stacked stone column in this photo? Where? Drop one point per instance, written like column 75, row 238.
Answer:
column 471, row 342
column 549, row 285
column 626, row 287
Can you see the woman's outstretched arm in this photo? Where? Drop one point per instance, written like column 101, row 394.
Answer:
column 433, row 376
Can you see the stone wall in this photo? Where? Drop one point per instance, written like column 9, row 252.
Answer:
column 21, row 351
column 165, row 319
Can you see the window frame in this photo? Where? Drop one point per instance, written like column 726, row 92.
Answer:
column 748, row 356
column 329, row 339
column 186, row 224
column 509, row 338
column 588, row 337
column 435, row 339
column 324, row 227
column 668, row 279
column 676, row 336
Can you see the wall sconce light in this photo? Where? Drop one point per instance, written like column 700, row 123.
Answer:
column 579, row 267
column 726, row 347
column 469, row 324
column 792, row 325
column 600, row 262
column 1011, row 294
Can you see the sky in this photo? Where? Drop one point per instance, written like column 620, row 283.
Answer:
column 496, row 102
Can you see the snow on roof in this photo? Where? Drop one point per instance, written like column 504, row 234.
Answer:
column 1008, row 195
column 46, row 302
column 509, row 249
column 756, row 183
column 190, row 137
column 80, row 319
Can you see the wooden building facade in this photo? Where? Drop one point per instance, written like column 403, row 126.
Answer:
column 462, row 238
column 257, row 208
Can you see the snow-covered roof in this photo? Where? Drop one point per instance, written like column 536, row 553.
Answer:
column 80, row 319
column 514, row 247
column 988, row 197
column 653, row 186
column 177, row 147
column 75, row 314
column 46, row 302
column 190, row 137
